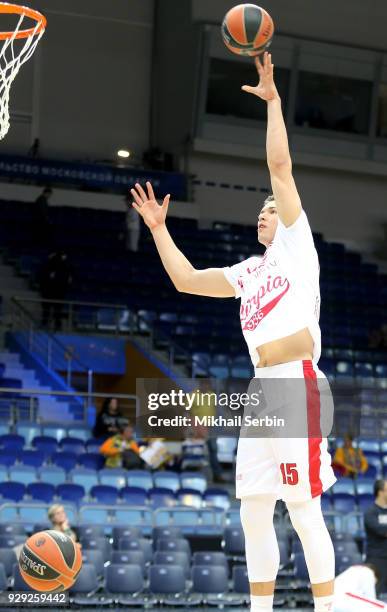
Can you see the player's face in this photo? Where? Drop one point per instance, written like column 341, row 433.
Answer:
column 59, row 516
column 267, row 225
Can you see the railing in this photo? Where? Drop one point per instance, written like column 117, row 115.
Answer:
column 23, row 405
column 42, row 343
column 89, row 317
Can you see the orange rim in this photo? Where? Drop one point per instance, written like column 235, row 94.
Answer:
column 22, row 10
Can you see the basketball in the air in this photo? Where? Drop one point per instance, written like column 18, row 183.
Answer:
column 50, row 561
column 247, row 29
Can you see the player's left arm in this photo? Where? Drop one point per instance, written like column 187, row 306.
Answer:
column 277, row 147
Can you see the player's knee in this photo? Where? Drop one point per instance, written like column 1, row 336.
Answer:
column 306, row 516
column 256, row 513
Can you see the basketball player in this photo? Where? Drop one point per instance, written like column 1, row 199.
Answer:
column 279, row 315
column 355, row 590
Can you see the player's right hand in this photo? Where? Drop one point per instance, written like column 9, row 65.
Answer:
column 154, row 214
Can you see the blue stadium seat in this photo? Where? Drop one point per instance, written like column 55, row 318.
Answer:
column 365, row 500
column 113, row 477
column 72, row 445
column 95, row 558
column 234, row 541
column 161, row 496
column 101, row 544
column 346, row 547
column 90, row 531
column 12, row 529
column 209, row 579
column 31, row 457
column 326, row 503
column 344, row 485
column 22, row 473
column 345, row 561
column 142, row 544
column 28, row 430
column 193, row 480
column 166, row 532
column 65, row 460
column 131, row 557
column 52, row 474
column 82, row 433
column 91, row 461
column 12, row 441
column 173, row 545
column 217, row 497
column 140, row 478
column 8, row 559
column 300, row 569
column 166, row 579
column 135, row 496
column 70, row 492
column 121, row 531
column 10, row 541
column 173, row 558
column 104, row 494
column 210, row 558
column 93, row 445
column 189, row 497
column 167, row 479
column 12, row 490
column 18, row 583
column 364, row 485
column 125, row 579
column 240, row 579
column 41, row 491
column 343, row 502
column 374, row 461
column 226, row 449
column 46, row 444
column 86, row 582
column 369, row 446
column 8, row 457
column 54, row 431
column 84, row 477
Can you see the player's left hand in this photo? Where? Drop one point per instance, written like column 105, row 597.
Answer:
column 266, row 89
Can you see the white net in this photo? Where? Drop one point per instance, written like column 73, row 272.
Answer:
column 13, row 53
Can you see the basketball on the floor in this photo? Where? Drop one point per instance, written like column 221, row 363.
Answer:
column 247, row 29
column 50, row 561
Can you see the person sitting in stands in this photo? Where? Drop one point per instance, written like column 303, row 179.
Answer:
column 121, row 450
column 348, row 460
column 60, row 522
column 109, row 420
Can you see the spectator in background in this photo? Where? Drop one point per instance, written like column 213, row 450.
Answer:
column 121, row 450
column 375, row 522
column 348, row 460
column 42, row 229
column 133, row 227
column 59, row 521
column 110, row 420
column 55, row 279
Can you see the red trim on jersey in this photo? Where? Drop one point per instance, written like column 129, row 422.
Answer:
column 314, row 431
column 369, row 601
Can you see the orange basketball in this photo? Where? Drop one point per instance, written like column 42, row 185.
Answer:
column 50, row 561
column 247, row 29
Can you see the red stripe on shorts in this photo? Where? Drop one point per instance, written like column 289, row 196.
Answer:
column 375, row 604
column 313, row 407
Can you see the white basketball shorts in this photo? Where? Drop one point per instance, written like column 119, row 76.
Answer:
column 295, row 468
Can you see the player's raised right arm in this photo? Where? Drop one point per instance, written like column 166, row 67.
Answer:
column 210, row 282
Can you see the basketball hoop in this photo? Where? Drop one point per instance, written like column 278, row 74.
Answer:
column 13, row 55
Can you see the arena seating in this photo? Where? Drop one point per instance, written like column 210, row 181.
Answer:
column 354, row 294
